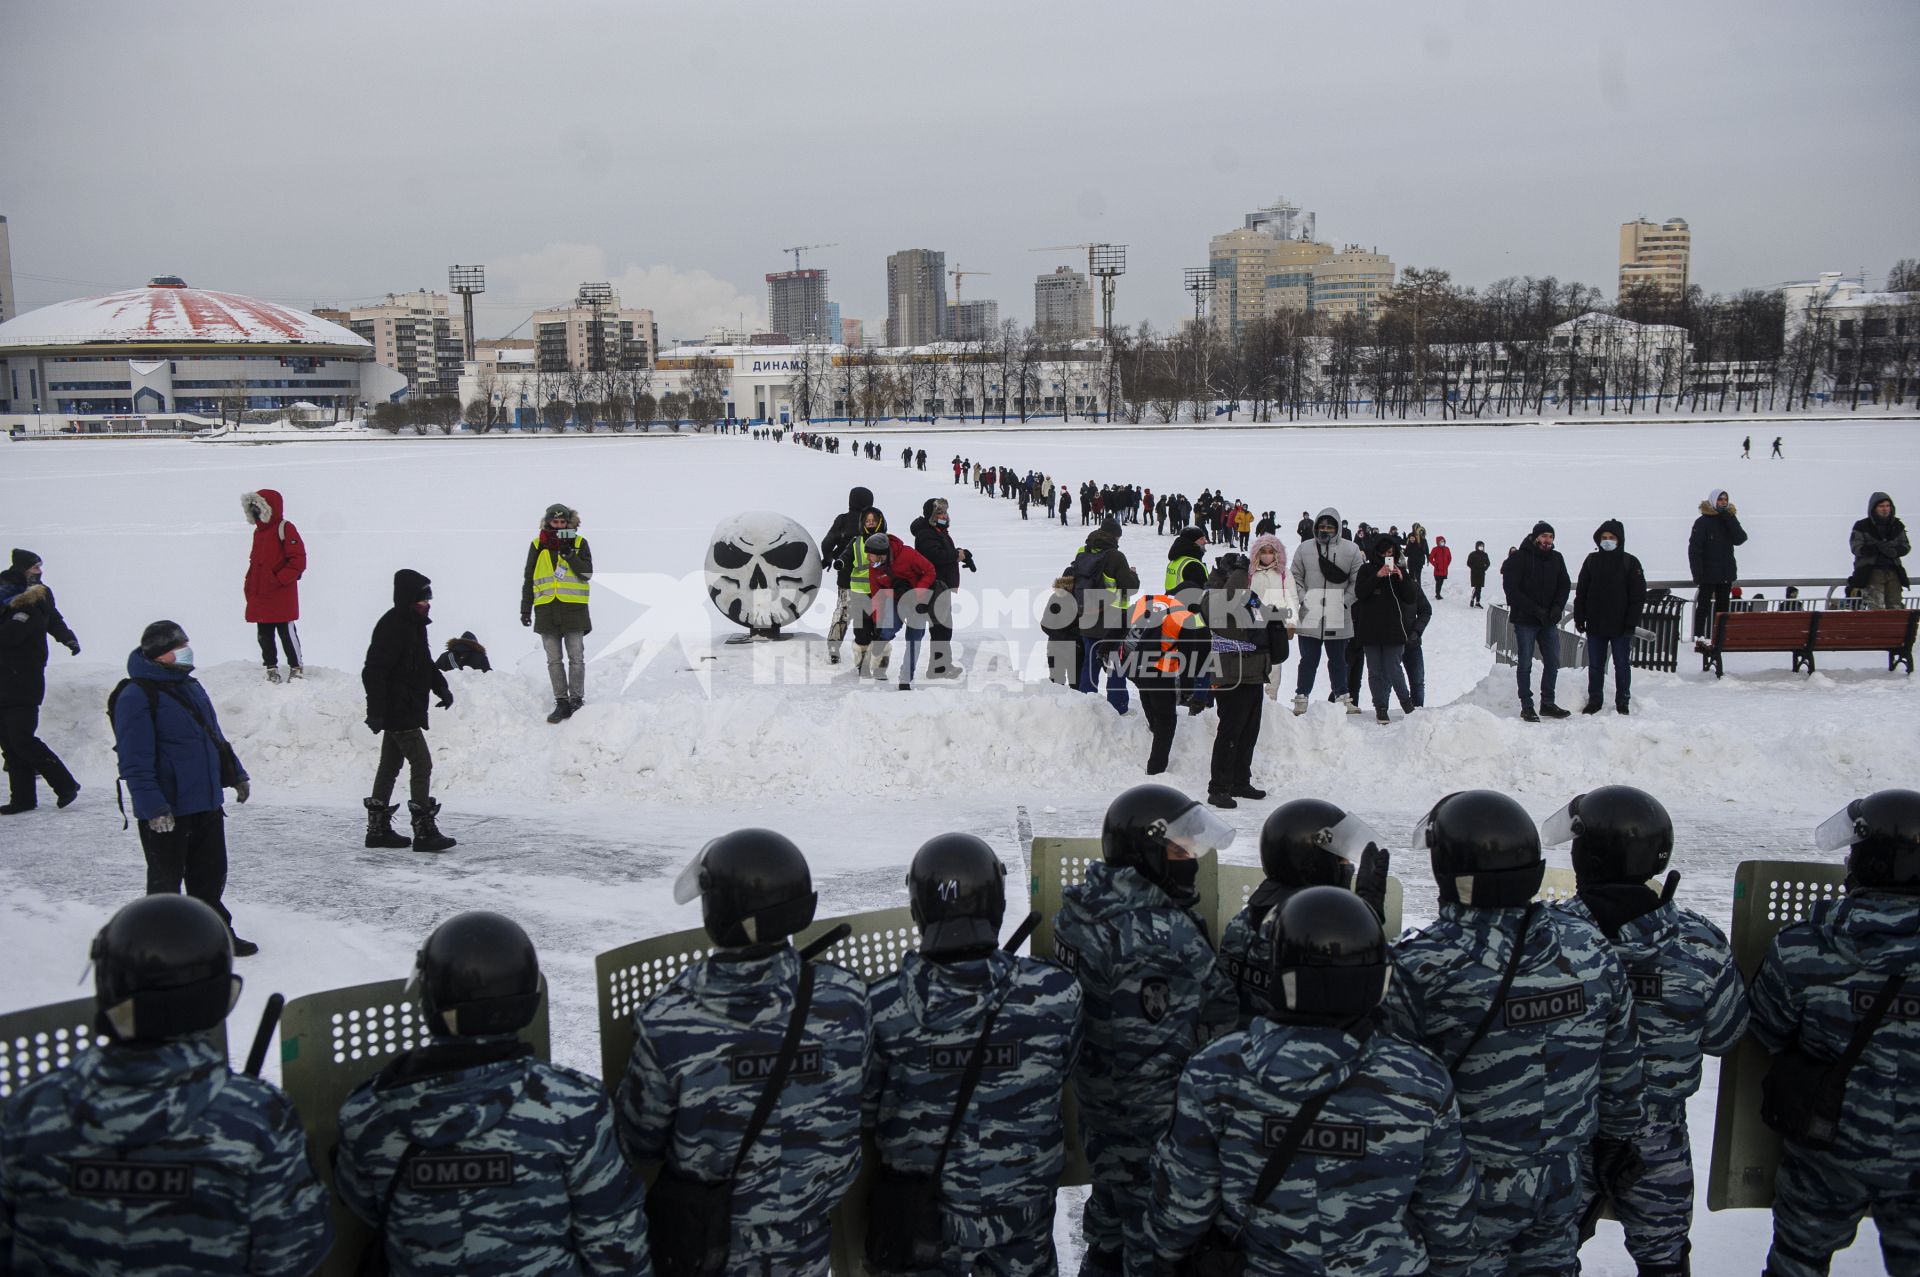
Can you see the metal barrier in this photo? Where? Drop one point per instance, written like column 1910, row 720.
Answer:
column 1768, row 895
column 331, row 1042
column 1500, row 637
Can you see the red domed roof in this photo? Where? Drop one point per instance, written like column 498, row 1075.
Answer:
column 167, row 311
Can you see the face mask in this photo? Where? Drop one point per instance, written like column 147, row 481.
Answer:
column 1608, row 543
column 1180, row 877
column 942, row 521
column 183, row 658
column 1324, row 537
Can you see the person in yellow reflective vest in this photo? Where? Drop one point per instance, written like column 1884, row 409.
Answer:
column 553, row 600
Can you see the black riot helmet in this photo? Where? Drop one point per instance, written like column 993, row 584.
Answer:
column 1142, row 823
column 958, row 892
column 163, row 968
column 1620, row 835
column 1329, row 958
column 477, row 974
column 1883, row 832
column 1485, row 850
column 753, row 885
column 1310, row 842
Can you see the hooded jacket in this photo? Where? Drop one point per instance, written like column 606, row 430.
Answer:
column 399, row 672
column 565, row 556
column 906, row 569
column 1242, row 641
column 1271, row 582
column 1325, row 604
column 836, row 546
column 1612, row 592
column 1383, row 605
column 1441, row 558
column 277, row 562
column 1879, row 544
column 927, row 1018
column 169, row 762
column 935, row 544
column 1808, row 993
column 570, row 1204
column 28, row 614
column 1477, row 564
column 252, row 1205
column 1536, row 583
column 1187, row 578
column 1710, row 546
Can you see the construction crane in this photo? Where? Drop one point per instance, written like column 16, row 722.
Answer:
column 958, row 273
column 798, row 249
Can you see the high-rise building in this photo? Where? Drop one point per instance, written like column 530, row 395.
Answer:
column 564, row 336
column 1655, row 257
column 417, row 336
column 797, row 305
column 1350, row 282
column 1063, row 304
column 852, row 334
column 8, row 307
column 916, row 297
column 972, row 320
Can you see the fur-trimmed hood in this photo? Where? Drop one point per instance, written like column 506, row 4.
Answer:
column 1710, row 506
column 266, row 509
column 33, row 596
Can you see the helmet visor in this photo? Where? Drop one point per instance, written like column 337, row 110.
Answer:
column 1350, row 838
column 1561, row 826
column 1842, row 829
column 1198, row 831
column 686, row 887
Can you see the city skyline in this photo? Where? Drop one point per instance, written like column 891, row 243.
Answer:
column 1494, row 141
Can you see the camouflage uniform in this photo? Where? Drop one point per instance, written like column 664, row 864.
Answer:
column 1688, row 1001
column 1154, row 994
column 1814, row 987
column 1558, row 1066
column 1000, row 1175
column 699, row 1065
column 157, row 1160
column 1390, row 1190
column 515, row 1171
column 1247, row 956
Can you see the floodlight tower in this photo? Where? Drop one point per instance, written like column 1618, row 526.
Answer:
column 467, row 281
column 1107, row 262
column 1198, row 280
column 596, row 296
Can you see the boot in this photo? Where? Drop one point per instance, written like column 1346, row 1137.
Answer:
column 862, row 659
column 1527, row 715
column 879, row 657
column 1348, row 702
column 1299, row 705
column 1218, row 799
column 295, row 671
column 426, row 834
column 65, row 797
column 562, row 711
column 242, row 948
column 1620, row 706
column 1380, row 714
column 380, row 832
column 1592, row 706
column 273, row 673
column 1551, row 710
column 1245, row 790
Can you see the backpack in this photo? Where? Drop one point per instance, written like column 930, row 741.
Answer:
column 229, row 764
column 1089, row 585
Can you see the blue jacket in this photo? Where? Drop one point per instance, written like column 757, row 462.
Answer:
column 168, row 761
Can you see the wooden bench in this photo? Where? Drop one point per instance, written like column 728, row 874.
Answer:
column 1804, row 633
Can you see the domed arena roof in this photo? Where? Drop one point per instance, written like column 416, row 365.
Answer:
column 167, row 312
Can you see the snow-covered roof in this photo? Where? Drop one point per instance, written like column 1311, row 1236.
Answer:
column 167, row 313
column 1599, row 319
column 1874, row 301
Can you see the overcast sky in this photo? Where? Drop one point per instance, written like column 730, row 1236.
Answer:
column 331, row 153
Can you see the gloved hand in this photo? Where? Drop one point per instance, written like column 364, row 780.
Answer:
column 526, row 618
column 161, row 824
column 242, row 792
column 1370, row 879
column 444, row 699
column 73, row 645
column 376, row 725
column 1580, row 627
column 548, row 541
column 1616, row 1165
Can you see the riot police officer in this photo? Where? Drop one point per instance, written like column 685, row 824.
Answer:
column 959, row 995
column 710, row 1048
column 1855, row 1148
column 1379, row 1177
column 1688, row 999
column 148, row 1154
column 1307, row 842
column 1529, row 1010
column 470, row 1156
column 1154, row 991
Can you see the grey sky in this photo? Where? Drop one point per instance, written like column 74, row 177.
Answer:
column 331, row 153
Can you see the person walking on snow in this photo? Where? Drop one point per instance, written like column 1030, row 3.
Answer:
column 1746, row 448
column 1535, row 577
column 837, row 548
column 1777, row 454
column 1710, row 549
column 1441, row 561
column 27, row 616
column 398, row 675
column 1477, row 565
column 1879, row 542
column 274, row 568
column 553, row 600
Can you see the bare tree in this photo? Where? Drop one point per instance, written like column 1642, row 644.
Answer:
column 706, row 391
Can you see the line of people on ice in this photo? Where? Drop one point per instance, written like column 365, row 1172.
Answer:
column 1303, row 1096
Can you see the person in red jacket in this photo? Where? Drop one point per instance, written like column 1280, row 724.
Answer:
column 274, row 570
column 902, row 582
column 1440, row 560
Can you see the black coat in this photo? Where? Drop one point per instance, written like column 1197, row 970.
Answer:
column 23, row 640
column 1383, row 607
column 1613, row 588
column 1710, row 548
column 1537, row 585
column 935, row 543
column 399, row 673
column 835, row 546
column 1477, row 565
column 1878, row 544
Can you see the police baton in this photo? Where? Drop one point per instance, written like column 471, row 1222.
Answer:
column 1025, row 929
column 1672, row 885
column 269, row 1021
column 820, row 944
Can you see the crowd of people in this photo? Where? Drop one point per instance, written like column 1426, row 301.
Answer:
column 1306, row 1095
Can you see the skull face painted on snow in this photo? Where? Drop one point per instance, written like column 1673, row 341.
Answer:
column 763, row 570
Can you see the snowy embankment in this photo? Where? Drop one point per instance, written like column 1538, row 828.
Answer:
column 578, row 829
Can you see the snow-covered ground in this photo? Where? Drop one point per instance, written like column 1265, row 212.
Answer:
column 577, row 829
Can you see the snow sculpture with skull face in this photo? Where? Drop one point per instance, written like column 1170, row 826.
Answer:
column 763, row 570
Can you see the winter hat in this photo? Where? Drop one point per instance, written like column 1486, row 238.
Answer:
column 1542, row 528
column 878, row 544
column 1713, row 498
column 1110, row 526
column 24, row 560
column 160, row 638
column 556, row 511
